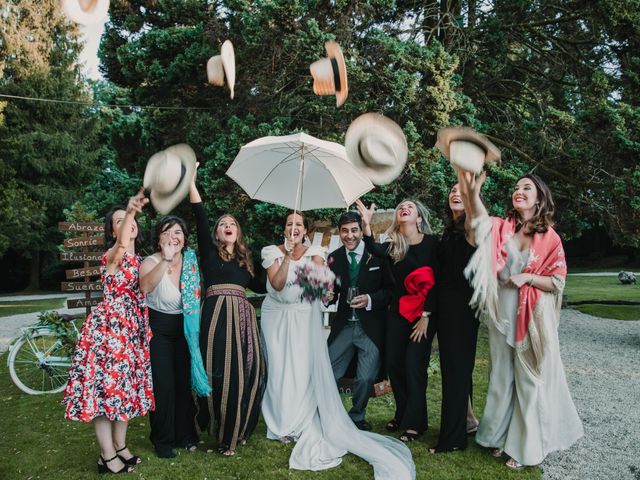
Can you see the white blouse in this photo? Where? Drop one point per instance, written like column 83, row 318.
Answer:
column 166, row 297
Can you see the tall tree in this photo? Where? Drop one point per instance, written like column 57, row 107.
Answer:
column 556, row 84
column 553, row 83
column 48, row 150
column 158, row 50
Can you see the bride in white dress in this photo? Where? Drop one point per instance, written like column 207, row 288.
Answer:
column 301, row 402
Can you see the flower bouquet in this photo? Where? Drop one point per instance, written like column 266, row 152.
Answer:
column 315, row 281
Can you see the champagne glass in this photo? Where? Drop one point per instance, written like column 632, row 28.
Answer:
column 351, row 294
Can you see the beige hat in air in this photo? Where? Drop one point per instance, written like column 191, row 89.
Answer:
column 86, row 12
column 330, row 74
column 168, row 176
column 221, row 66
column 377, row 146
column 466, row 149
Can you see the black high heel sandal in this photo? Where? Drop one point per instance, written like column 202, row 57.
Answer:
column 132, row 461
column 102, row 467
column 407, row 437
column 392, row 425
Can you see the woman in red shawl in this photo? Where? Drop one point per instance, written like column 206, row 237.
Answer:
column 518, row 274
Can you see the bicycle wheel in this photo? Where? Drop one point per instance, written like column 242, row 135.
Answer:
column 39, row 363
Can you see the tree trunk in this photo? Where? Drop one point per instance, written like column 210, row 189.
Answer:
column 34, row 272
column 468, row 61
column 450, row 14
column 473, row 14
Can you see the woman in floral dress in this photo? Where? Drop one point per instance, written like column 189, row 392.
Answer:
column 110, row 376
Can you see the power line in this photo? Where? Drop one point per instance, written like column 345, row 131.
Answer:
column 100, row 105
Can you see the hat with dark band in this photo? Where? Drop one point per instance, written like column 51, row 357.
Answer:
column 330, row 74
column 466, row 149
column 168, row 176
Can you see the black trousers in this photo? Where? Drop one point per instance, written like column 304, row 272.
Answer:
column 457, row 340
column 407, row 364
column 172, row 422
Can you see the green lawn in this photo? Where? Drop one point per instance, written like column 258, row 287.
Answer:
column 37, row 443
column 8, row 307
column 616, row 312
column 600, row 288
column 603, row 288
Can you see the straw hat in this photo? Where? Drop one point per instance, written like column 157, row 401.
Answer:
column 221, row 66
column 330, row 74
column 168, row 176
column 87, row 12
column 377, row 146
column 467, row 149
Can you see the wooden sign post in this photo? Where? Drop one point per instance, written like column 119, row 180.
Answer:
column 86, row 241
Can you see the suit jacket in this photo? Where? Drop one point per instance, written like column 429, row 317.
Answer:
column 374, row 279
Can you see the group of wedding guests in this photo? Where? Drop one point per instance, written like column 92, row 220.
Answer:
column 156, row 336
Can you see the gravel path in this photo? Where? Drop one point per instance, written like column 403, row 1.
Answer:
column 10, row 326
column 602, row 362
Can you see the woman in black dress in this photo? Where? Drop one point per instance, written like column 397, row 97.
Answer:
column 408, row 342
column 457, row 327
column 230, row 342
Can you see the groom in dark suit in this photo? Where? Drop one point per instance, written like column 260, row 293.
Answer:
column 358, row 327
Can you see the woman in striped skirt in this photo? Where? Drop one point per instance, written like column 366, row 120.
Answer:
column 229, row 338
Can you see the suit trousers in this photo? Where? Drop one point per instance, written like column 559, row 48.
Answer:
column 353, row 338
column 407, row 364
column 172, row 422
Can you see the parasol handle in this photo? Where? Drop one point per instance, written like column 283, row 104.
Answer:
column 299, row 188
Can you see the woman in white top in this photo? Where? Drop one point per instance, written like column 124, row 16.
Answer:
column 301, row 401
column 172, row 422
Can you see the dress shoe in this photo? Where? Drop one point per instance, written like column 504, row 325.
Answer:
column 363, row 425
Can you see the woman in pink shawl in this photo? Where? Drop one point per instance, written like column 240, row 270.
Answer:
column 518, row 274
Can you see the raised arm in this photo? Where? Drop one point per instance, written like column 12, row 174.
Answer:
column 367, row 215
column 115, row 253
column 152, row 270
column 470, row 186
column 376, row 249
column 203, row 230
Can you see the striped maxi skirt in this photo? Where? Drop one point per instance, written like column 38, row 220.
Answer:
column 233, row 356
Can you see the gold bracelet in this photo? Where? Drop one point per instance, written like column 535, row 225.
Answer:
column 530, row 282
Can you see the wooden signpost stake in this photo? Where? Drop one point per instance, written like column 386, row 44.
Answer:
column 90, row 238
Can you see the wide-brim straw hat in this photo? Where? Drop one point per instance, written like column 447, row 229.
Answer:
column 330, row 74
column 466, row 149
column 168, row 176
column 223, row 66
column 86, row 12
column 377, row 146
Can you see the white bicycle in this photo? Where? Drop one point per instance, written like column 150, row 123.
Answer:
column 40, row 358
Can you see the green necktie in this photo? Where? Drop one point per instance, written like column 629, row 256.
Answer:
column 354, row 268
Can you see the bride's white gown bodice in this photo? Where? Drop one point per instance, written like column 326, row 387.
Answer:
column 301, row 398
